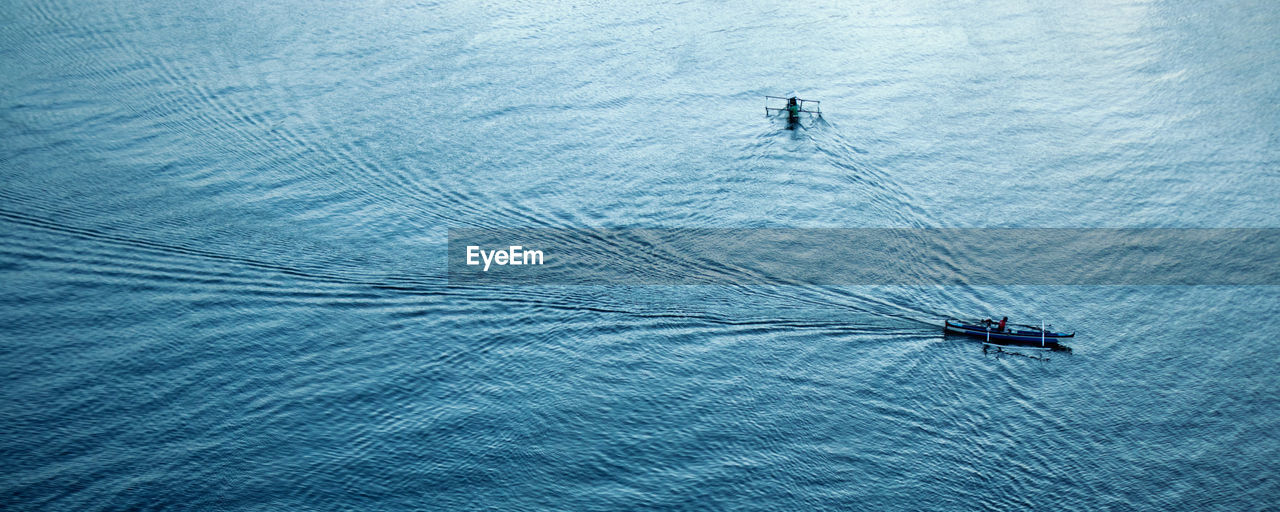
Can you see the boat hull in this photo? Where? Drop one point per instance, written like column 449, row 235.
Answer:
column 1016, row 336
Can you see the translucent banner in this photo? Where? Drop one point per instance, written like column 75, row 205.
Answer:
column 868, row 256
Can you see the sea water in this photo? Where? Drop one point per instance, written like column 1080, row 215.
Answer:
column 223, row 233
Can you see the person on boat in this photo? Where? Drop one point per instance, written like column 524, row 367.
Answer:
column 1003, row 321
column 793, row 108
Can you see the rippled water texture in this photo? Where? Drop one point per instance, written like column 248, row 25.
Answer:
column 223, row 272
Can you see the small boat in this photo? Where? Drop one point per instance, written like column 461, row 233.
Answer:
column 792, row 107
column 1021, row 335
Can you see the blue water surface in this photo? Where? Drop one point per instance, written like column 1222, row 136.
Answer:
column 223, row 275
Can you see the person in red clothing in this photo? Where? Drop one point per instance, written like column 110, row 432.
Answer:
column 1003, row 321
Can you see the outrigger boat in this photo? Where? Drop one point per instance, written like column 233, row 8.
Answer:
column 1021, row 335
column 792, row 107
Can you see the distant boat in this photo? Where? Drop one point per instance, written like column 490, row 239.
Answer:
column 1021, row 335
column 792, row 107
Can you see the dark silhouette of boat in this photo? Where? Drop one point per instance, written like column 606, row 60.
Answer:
column 792, row 107
column 1020, row 335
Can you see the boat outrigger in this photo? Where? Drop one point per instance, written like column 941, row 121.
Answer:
column 792, row 107
column 1021, row 335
